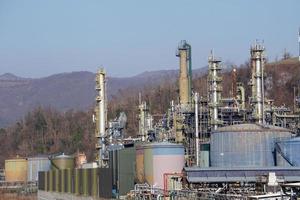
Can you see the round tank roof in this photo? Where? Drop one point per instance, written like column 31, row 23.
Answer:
column 63, row 156
column 162, row 145
column 251, row 128
column 38, row 157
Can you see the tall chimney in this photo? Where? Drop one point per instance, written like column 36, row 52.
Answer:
column 185, row 72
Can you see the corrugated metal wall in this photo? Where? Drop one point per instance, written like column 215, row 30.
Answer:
column 287, row 152
column 122, row 162
column 86, row 182
column 245, row 146
column 126, row 168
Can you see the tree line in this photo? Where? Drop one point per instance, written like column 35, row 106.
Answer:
column 46, row 131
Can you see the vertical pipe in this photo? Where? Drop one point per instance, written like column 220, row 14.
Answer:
column 197, row 130
column 190, row 71
column 263, row 89
column 259, row 90
column 142, row 120
column 294, row 107
column 299, row 43
column 234, row 83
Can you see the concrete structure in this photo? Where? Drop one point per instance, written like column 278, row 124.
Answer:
column 185, row 73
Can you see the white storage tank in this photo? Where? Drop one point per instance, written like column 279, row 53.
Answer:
column 36, row 164
column 161, row 158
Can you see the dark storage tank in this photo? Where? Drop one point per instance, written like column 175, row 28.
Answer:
column 245, row 145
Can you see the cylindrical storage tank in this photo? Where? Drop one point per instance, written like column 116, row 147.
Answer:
column 245, row 145
column 161, row 158
column 140, row 164
column 16, row 170
column 36, row 164
column 287, row 152
column 62, row 162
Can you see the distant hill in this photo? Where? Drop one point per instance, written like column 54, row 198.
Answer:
column 65, row 91
column 76, row 90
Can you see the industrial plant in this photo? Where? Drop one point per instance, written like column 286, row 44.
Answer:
column 214, row 146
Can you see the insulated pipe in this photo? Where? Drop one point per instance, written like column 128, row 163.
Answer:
column 197, row 131
column 242, row 94
column 259, row 90
column 102, row 112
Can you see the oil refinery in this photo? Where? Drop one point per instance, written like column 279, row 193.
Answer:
column 204, row 147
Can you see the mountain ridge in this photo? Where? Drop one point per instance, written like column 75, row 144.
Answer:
column 64, row 91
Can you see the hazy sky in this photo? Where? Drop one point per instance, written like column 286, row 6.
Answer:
column 42, row 37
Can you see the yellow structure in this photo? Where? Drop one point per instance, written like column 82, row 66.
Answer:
column 16, row 170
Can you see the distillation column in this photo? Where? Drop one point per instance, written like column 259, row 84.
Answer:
column 142, row 121
column 257, row 64
column 214, row 90
column 101, row 117
column 185, row 73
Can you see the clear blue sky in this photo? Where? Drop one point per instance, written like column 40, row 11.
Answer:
column 42, row 37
